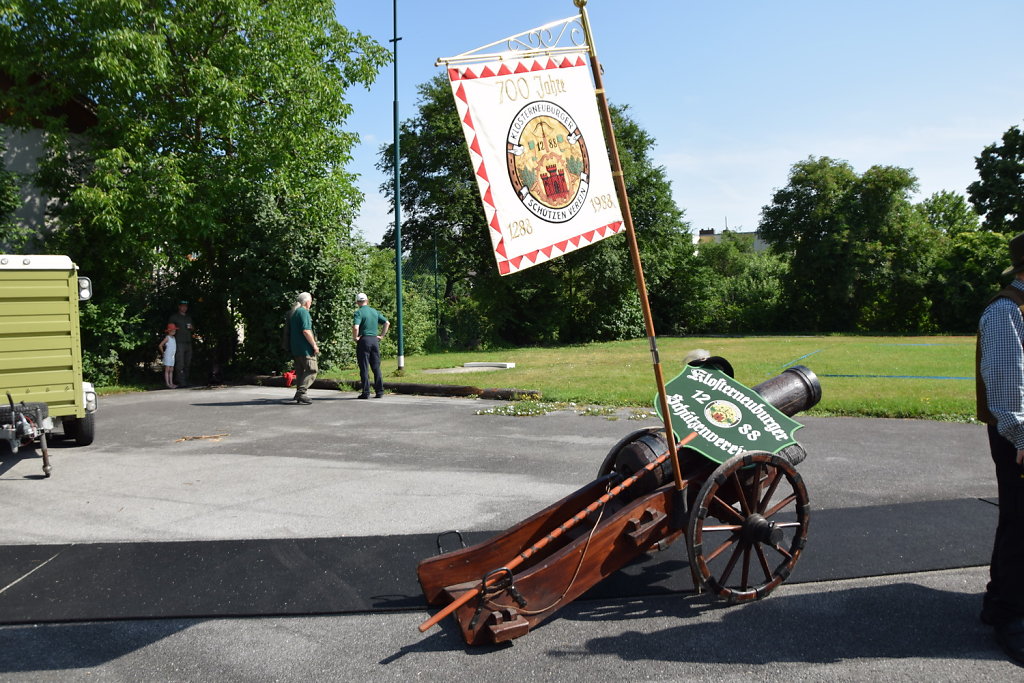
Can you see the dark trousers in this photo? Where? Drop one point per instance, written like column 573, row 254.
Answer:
column 182, row 360
column 1004, row 595
column 368, row 355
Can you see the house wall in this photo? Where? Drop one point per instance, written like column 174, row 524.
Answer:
column 24, row 148
column 709, row 235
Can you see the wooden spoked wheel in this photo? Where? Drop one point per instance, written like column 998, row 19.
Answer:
column 747, row 526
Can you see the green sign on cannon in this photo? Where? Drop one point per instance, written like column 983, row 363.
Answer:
column 728, row 417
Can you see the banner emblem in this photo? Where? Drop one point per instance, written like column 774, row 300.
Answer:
column 723, row 414
column 547, row 161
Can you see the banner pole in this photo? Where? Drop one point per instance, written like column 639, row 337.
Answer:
column 398, row 201
column 634, row 249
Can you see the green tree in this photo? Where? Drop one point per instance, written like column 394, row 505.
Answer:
column 741, row 287
column 808, row 219
column 969, row 261
column 12, row 235
column 948, row 213
column 440, row 204
column 967, row 273
column 998, row 194
column 585, row 295
column 862, row 256
column 215, row 171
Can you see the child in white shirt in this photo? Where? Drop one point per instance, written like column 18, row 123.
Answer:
column 168, row 346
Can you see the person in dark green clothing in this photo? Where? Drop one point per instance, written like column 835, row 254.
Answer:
column 183, row 343
column 303, row 346
column 367, row 333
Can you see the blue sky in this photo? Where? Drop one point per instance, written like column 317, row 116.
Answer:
column 736, row 92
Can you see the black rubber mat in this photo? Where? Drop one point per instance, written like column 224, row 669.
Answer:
column 74, row 582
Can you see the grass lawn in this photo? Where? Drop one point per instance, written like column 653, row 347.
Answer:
column 921, row 377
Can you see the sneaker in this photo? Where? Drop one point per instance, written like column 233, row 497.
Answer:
column 304, row 401
column 378, row 395
column 363, row 396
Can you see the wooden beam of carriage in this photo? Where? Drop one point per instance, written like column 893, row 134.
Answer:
column 555, row 534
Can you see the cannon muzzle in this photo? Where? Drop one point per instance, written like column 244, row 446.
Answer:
column 794, row 391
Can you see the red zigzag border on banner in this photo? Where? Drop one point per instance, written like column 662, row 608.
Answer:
column 510, row 265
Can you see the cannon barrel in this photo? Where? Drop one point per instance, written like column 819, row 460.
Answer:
column 794, row 391
column 797, row 389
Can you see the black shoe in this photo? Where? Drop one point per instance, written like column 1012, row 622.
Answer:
column 304, row 401
column 991, row 612
column 1010, row 637
column 378, row 395
column 363, row 396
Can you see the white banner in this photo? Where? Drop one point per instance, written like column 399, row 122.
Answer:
column 541, row 162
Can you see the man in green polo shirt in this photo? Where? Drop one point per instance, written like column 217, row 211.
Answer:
column 366, row 332
column 303, row 346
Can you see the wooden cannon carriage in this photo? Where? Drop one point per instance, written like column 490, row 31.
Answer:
column 744, row 521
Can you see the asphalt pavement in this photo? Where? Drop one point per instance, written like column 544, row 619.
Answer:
column 245, row 463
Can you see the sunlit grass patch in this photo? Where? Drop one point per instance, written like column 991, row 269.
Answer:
column 921, row 377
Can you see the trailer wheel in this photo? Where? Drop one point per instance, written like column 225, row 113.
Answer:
column 82, row 430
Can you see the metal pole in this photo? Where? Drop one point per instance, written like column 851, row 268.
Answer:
column 437, row 301
column 398, row 200
column 634, row 249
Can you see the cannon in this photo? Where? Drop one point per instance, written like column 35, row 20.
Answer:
column 744, row 520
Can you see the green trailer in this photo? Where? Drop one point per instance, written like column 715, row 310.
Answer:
column 41, row 382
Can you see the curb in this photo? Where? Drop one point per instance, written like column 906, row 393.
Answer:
column 454, row 390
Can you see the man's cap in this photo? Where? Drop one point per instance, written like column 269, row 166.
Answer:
column 183, row 301
column 1016, row 255
column 361, row 297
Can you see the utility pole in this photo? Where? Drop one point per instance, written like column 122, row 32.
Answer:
column 398, row 198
